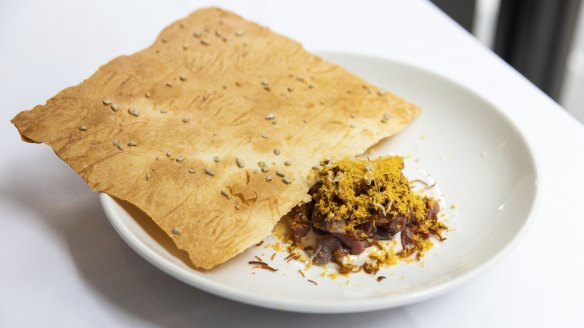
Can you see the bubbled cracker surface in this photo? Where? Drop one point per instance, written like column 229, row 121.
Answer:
column 203, row 89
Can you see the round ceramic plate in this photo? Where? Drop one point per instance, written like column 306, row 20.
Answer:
column 488, row 185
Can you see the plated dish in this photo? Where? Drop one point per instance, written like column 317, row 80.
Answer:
column 225, row 144
column 480, row 162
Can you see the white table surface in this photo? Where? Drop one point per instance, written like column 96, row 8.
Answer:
column 62, row 264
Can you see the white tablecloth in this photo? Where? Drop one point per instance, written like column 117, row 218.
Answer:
column 62, row 264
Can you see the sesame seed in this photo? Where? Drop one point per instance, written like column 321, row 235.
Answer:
column 205, row 42
column 134, row 112
column 192, row 171
column 163, row 111
column 264, row 136
column 299, row 78
column 274, row 122
column 217, row 159
column 380, row 93
column 237, row 206
column 268, row 178
column 237, row 84
column 267, row 88
column 239, row 33
column 115, row 107
column 169, row 84
column 286, row 180
column 180, row 158
column 176, row 231
column 352, row 116
column 186, row 120
column 197, row 34
column 265, row 169
column 304, row 121
column 132, row 143
column 239, row 162
column 148, row 176
column 265, row 83
column 209, row 171
column 163, row 40
column 287, row 163
column 183, row 78
column 185, row 46
column 218, row 34
column 168, row 154
column 270, row 116
column 107, row 102
column 120, row 146
column 280, row 174
column 226, row 193
column 256, row 171
column 352, row 126
column 386, row 116
column 316, row 168
column 83, row 128
column 310, row 86
column 383, row 120
column 261, row 163
column 290, row 89
column 276, row 151
column 147, row 95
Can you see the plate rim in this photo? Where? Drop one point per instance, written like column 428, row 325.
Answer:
column 345, row 306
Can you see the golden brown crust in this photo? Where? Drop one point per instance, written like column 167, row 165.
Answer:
column 203, row 89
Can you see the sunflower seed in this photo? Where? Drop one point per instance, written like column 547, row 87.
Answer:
column 209, row 171
column 239, row 162
column 134, row 112
column 270, row 116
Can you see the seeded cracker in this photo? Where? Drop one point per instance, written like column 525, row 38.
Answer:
column 312, row 124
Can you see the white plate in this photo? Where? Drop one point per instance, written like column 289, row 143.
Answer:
column 480, row 161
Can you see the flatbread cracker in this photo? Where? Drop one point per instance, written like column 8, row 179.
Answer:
column 178, row 129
